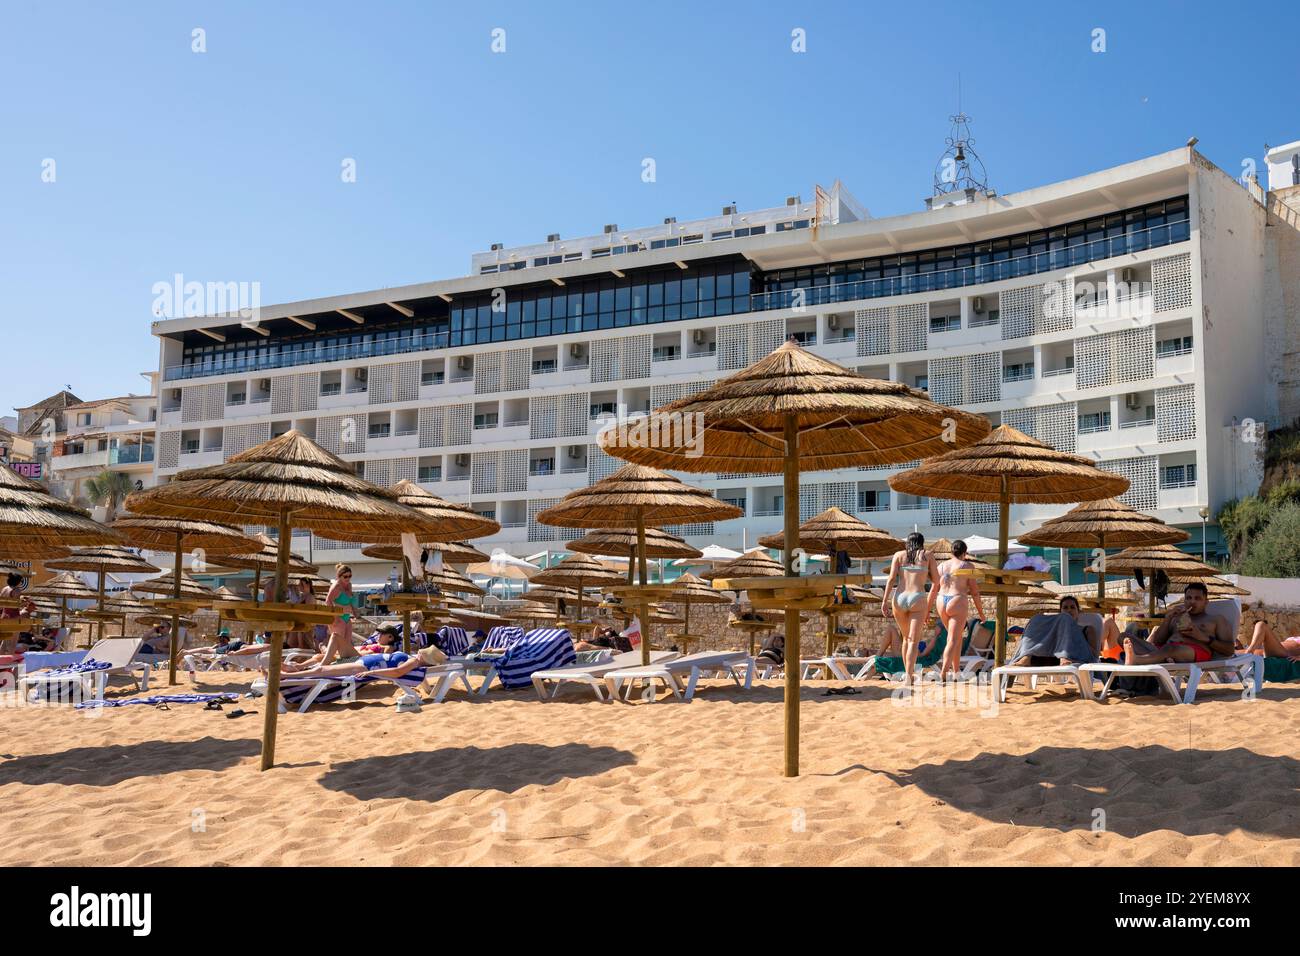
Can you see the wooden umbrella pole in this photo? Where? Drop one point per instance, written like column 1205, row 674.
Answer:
column 1101, row 568
column 1004, row 523
column 792, row 648
column 631, row 569
column 100, row 626
column 640, row 561
column 829, row 631
column 1151, row 593
column 257, row 585
column 277, row 647
column 176, row 616
column 406, row 611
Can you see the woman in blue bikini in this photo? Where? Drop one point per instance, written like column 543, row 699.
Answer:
column 341, row 598
column 955, row 593
column 912, row 605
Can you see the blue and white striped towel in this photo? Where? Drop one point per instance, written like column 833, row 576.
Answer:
column 542, row 648
column 503, row 637
column 451, row 640
column 87, row 666
column 160, row 699
column 341, row 687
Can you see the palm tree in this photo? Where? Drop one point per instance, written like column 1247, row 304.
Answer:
column 109, row 488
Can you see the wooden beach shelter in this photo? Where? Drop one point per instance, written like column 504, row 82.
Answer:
column 454, row 523
column 578, row 572
column 263, row 557
column 615, row 543
column 201, row 539
column 288, row 482
column 101, row 561
column 1098, row 525
column 794, row 412
column 63, row 587
column 1177, row 565
column 636, row 496
column 1009, row 467
column 687, row 590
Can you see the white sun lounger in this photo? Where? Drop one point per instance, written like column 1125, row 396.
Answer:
column 440, row 677
column 196, row 660
column 116, row 652
column 1173, row 677
column 692, row 667
column 837, row 666
column 592, row 675
column 1007, row 673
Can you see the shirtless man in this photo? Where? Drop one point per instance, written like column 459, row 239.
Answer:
column 955, row 593
column 1189, row 633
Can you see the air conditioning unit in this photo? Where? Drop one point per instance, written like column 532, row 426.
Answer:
column 977, row 303
column 699, row 336
column 462, row 460
column 728, row 210
column 576, row 351
column 1132, row 401
column 553, row 237
column 611, row 228
column 361, row 374
column 176, row 394
column 792, row 200
column 1126, row 275
column 464, row 363
column 264, row 385
column 575, row 451
column 832, row 322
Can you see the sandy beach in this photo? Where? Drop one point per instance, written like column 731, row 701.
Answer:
column 1046, row 779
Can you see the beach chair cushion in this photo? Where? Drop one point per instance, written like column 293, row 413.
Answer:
column 542, row 648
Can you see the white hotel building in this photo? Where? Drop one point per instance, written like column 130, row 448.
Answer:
column 1120, row 315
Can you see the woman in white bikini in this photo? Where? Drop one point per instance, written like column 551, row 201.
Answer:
column 912, row 605
column 955, row 593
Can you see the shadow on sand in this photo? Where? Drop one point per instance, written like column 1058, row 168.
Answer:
column 1136, row 789
column 431, row 775
column 112, row 764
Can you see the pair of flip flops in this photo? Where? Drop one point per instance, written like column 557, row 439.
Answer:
column 840, row 692
column 233, row 715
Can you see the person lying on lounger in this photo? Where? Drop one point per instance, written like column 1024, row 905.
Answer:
column 1189, row 633
column 391, row 665
column 1266, row 643
column 1052, row 639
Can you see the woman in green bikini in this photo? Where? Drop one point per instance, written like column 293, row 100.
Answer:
column 912, row 605
column 340, row 596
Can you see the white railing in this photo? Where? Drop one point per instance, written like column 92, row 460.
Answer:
column 1141, row 424
column 1053, row 372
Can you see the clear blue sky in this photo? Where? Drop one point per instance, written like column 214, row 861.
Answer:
column 225, row 165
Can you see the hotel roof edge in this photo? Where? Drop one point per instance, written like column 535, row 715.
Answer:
column 755, row 248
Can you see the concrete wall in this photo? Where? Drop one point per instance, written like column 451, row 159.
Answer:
column 1282, row 301
column 1234, row 379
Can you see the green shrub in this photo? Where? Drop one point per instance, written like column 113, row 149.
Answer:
column 1275, row 551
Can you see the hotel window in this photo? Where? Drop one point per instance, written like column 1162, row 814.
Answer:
column 1178, row 476
column 923, row 382
column 1091, row 422
column 1179, row 345
column 796, row 224
column 945, row 323
column 665, row 243
column 1018, row 372
column 600, row 253
column 548, row 260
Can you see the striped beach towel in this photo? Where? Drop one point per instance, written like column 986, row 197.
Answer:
column 160, row 699
column 503, row 637
column 542, row 648
column 87, row 666
column 451, row 640
column 344, row 688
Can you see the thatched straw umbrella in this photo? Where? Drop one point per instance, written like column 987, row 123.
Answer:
column 448, row 522
column 687, row 590
column 155, row 620
column 177, row 535
column 173, row 585
column 1220, row 587
column 1009, row 467
column 224, row 593
column 63, row 587
column 836, row 530
column 35, row 525
column 547, row 593
column 637, row 496
column 108, row 559
column 453, row 552
column 1099, row 524
column 614, row 543
column 1177, row 566
column 752, row 564
column 577, row 572
column 289, row 481
column 794, row 412
column 529, row 611
column 263, row 558
column 479, row 619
